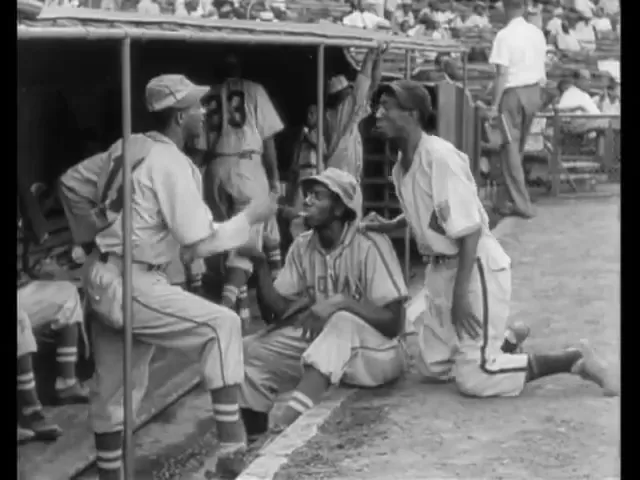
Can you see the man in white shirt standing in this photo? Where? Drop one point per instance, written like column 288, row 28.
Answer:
column 518, row 53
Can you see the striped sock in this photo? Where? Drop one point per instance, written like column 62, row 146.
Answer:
column 109, row 455
column 230, row 295
column 244, row 309
column 67, row 357
column 228, row 423
column 296, row 406
column 27, row 394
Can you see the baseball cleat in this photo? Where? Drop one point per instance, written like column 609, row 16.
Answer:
column 72, row 395
column 43, row 429
column 590, row 367
column 25, row 435
column 231, row 463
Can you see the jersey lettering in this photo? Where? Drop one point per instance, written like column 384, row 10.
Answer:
column 235, row 105
column 344, row 286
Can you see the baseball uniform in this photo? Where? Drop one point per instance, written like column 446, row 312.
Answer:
column 241, row 116
column 344, row 142
column 348, row 349
column 168, row 211
column 439, row 198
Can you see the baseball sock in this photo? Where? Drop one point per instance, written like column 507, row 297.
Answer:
column 309, row 391
column 67, row 356
column 27, row 394
column 255, row 423
column 109, row 455
column 236, row 279
column 543, row 365
column 226, row 413
column 244, row 308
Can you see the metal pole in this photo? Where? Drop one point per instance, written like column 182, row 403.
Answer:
column 556, row 155
column 407, row 232
column 127, row 259
column 320, row 103
column 463, row 113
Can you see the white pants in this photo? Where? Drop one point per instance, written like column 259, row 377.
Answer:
column 163, row 315
column 479, row 367
column 41, row 303
column 347, row 350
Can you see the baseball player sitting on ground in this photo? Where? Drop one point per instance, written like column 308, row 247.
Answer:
column 468, row 278
column 168, row 212
column 241, row 124
column 338, row 304
column 54, row 308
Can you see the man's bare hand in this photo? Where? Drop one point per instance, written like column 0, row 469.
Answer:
column 187, row 255
column 262, row 209
column 313, row 320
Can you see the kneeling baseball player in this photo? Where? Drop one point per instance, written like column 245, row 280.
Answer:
column 468, row 278
column 340, row 304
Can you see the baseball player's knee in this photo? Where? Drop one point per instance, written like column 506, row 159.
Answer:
column 72, row 312
column 343, row 324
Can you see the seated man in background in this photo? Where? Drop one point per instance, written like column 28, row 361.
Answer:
column 53, row 308
column 585, row 33
column 600, row 22
column 478, row 18
column 338, row 305
column 566, row 40
column 554, row 26
column 404, row 16
column 575, row 98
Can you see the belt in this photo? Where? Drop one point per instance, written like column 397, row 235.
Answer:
column 245, row 154
column 105, row 257
column 438, row 260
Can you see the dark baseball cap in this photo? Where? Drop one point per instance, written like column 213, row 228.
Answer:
column 410, row 95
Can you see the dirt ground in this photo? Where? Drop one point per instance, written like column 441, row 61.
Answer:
column 566, row 274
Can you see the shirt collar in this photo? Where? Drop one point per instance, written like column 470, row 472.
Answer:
column 348, row 234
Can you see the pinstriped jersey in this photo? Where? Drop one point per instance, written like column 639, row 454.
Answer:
column 364, row 265
column 440, row 199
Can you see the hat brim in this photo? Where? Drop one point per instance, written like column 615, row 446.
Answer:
column 193, row 97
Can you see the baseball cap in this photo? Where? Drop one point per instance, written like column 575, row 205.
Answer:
column 343, row 184
column 172, row 91
column 337, row 83
column 410, row 95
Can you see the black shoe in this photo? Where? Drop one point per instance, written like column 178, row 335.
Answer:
column 43, row 429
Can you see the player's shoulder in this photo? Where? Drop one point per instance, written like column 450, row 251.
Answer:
column 374, row 243
column 437, row 149
column 301, row 243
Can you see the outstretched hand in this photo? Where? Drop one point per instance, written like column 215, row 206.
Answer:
column 464, row 320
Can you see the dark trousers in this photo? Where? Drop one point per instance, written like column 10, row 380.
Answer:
column 519, row 106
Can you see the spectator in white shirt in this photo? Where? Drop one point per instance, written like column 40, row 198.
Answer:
column 404, row 16
column 362, row 18
column 601, row 23
column 609, row 101
column 148, row 7
column 584, row 32
column 566, row 41
column 576, row 99
column 554, row 26
column 479, row 17
column 519, row 54
column 584, row 7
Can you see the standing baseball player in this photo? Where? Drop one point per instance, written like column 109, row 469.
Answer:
column 347, row 104
column 338, row 304
column 168, row 212
column 241, row 125
column 468, row 279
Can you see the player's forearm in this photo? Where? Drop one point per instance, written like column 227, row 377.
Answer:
column 367, row 64
column 400, row 222
column 271, row 299
column 387, row 320
column 499, row 85
column 270, row 160
column 466, row 261
column 376, row 72
column 228, row 235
